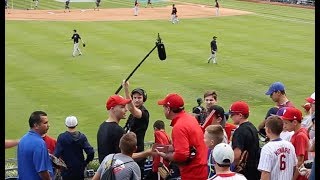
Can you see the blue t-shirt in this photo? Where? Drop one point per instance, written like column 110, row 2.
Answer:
column 33, row 157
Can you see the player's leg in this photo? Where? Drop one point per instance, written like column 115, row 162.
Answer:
column 214, row 57
column 75, row 47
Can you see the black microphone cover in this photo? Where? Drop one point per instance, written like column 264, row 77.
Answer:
column 161, row 51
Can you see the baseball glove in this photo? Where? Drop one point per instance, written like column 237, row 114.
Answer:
column 57, row 162
column 84, row 44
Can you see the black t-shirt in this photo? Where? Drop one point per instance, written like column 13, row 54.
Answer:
column 213, row 45
column 139, row 127
column 174, row 10
column 108, row 138
column 76, row 38
column 245, row 137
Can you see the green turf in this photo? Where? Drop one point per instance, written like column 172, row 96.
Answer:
column 274, row 44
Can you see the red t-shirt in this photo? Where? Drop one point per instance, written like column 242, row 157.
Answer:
column 187, row 133
column 160, row 137
column 50, row 142
column 300, row 141
column 228, row 128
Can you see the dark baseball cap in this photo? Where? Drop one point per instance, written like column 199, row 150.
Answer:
column 219, row 111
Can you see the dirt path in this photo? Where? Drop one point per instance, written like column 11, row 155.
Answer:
column 185, row 11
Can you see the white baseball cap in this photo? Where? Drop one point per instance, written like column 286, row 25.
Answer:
column 223, row 154
column 71, row 121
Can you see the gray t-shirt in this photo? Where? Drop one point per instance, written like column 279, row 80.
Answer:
column 128, row 171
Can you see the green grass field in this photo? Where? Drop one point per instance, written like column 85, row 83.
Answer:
column 275, row 44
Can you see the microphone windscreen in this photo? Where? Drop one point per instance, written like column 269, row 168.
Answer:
column 161, row 51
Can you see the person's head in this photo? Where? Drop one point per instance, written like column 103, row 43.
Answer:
column 274, row 126
column 116, row 105
column 292, row 118
column 74, row 30
column 172, row 104
column 158, row 125
column 223, row 155
column 306, row 107
column 128, row 143
column 276, row 91
column 213, row 135
column 272, row 111
column 239, row 112
column 312, row 101
column 214, row 37
column 218, row 115
column 139, row 96
column 210, row 98
column 38, row 121
column 173, row 5
column 71, row 122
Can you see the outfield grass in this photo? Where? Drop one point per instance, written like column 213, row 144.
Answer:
column 274, row 44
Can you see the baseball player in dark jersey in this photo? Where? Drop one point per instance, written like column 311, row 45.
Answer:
column 67, row 6
column 149, row 4
column 97, row 5
column 214, row 50
column 174, row 16
column 76, row 37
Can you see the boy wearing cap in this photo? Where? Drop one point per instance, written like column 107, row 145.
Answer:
column 307, row 121
column 138, row 120
column 187, row 137
column 292, row 121
column 223, row 156
column 109, row 133
column 70, row 147
column 278, row 157
column 245, row 141
column 216, row 116
column 277, row 93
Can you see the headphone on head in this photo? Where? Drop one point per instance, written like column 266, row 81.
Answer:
column 140, row 91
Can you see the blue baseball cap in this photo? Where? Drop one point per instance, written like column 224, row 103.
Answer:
column 277, row 86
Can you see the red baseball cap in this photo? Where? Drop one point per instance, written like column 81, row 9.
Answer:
column 291, row 114
column 311, row 99
column 239, row 107
column 115, row 100
column 172, row 100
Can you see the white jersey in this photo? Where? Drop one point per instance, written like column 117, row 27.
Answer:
column 228, row 176
column 286, row 135
column 279, row 159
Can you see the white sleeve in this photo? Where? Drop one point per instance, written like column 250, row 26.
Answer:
column 265, row 162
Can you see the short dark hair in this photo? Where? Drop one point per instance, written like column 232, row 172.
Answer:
column 159, row 124
column 75, row 30
column 35, row 118
column 177, row 110
column 211, row 93
column 128, row 143
column 275, row 124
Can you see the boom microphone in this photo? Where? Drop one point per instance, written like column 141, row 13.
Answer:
column 161, row 50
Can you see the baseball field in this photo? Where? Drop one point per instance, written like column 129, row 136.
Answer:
column 258, row 44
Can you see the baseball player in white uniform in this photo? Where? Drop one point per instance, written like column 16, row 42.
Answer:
column 278, row 158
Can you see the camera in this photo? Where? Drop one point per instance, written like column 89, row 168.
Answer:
column 199, row 111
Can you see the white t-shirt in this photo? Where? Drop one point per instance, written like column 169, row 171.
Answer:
column 286, row 135
column 279, row 159
column 228, row 176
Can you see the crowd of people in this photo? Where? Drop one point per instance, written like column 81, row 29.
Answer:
column 199, row 148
